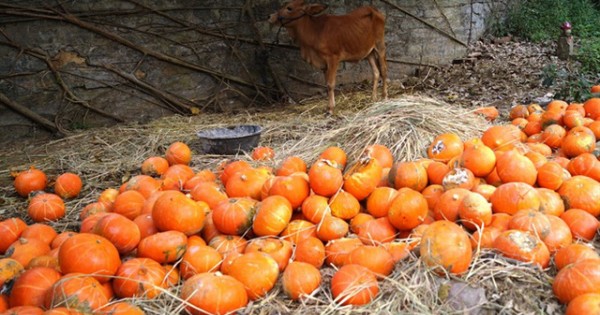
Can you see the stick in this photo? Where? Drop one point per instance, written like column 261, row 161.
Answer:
column 30, row 114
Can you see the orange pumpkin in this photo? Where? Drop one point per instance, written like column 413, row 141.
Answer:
column 89, row 254
column 247, row 182
column 41, row 231
column 532, row 221
column 279, row 249
column 375, row 258
column 550, row 202
column 199, row 258
column 479, row 159
column 154, row 166
column 582, row 224
column 293, row 188
column 315, row 208
column 325, row 178
column 234, row 216
column 11, row 230
column 446, row 247
column 553, row 135
column 585, row 164
column 577, row 141
column 24, row 250
column 290, row 165
column 523, row 246
column 444, row 147
column 560, row 235
column 592, row 108
column 447, row 206
column 344, row 205
column 163, row 247
column 9, row 269
column 82, row 292
column 362, row 178
column 354, row 284
column 484, row 238
column 408, row 209
column 174, row 211
column 551, row 175
column 298, row 230
column 377, row 231
column 576, row 279
column 501, row 137
column 458, row 177
column 31, row 286
column 175, row 177
column 475, row 211
column 408, row 174
column 581, row 192
column 226, row 244
column 209, row 192
column 337, row 251
column 145, row 225
column 572, row 253
column 588, row 303
column 381, row 153
column 129, row 204
column 46, row 207
column 263, row 153
column 141, row 277
column 310, row 250
column 513, row 166
column 123, row 233
column 272, row 216
column 331, row 228
column 512, row 197
column 68, row 185
column 178, row 153
column 335, row 154
column 300, row 279
column 30, row 180
column 213, row 293
column 379, row 201
column 436, row 171
column 257, row 271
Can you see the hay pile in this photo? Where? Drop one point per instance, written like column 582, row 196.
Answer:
column 105, row 158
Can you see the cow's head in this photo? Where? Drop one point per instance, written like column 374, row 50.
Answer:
column 294, row 10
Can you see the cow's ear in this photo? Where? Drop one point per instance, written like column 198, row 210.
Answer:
column 314, row 9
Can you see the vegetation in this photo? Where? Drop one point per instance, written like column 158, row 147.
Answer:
column 540, row 21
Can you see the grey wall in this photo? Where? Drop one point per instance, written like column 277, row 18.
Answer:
column 71, row 63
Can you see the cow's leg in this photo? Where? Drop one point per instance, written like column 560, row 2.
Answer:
column 380, row 49
column 373, row 64
column 330, row 74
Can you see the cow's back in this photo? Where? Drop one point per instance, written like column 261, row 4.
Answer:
column 354, row 35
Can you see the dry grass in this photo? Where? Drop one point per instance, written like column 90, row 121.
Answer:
column 106, row 158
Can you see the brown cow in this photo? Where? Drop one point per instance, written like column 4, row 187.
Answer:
column 325, row 39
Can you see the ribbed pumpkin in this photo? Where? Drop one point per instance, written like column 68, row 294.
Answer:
column 582, row 224
column 279, row 249
column 379, row 201
column 290, row 165
column 129, row 204
column 315, row 208
column 310, row 250
column 325, row 178
column 46, row 207
column 362, row 178
column 581, row 192
column 262, row 153
column 163, row 247
column 408, row 174
column 82, row 292
column 377, row 231
column 501, row 137
column 234, row 216
column 444, row 147
column 551, row 175
column 199, row 258
column 213, row 293
column 30, row 180
column 408, row 209
column 375, row 258
column 154, row 166
column 142, row 277
column 585, row 164
column 578, row 140
column 337, row 251
column 576, row 279
column 209, row 192
column 175, row 211
column 335, row 154
column 11, row 230
column 354, row 284
column 513, row 166
column 294, row 188
column 247, row 182
column 447, row 206
column 523, row 246
column 123, row 233
column 344, row 205
column 300, row 279
column 479, row 159
column 381, row 153
column 298, row 230
column 257, row 271
column 446, row 247
column 588, row 303
column 572, row 253
column 24, row 250
column 68, row 185
column 31, row 286
column 178, row 153
column 512, row 197
column 272, row 216
column 89, row 254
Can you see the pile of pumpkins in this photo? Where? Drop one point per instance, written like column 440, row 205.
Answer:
column 528, row 190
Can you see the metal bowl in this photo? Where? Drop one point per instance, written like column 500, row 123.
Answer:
column 229, row 140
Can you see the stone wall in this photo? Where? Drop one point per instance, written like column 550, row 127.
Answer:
column 89, row 63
